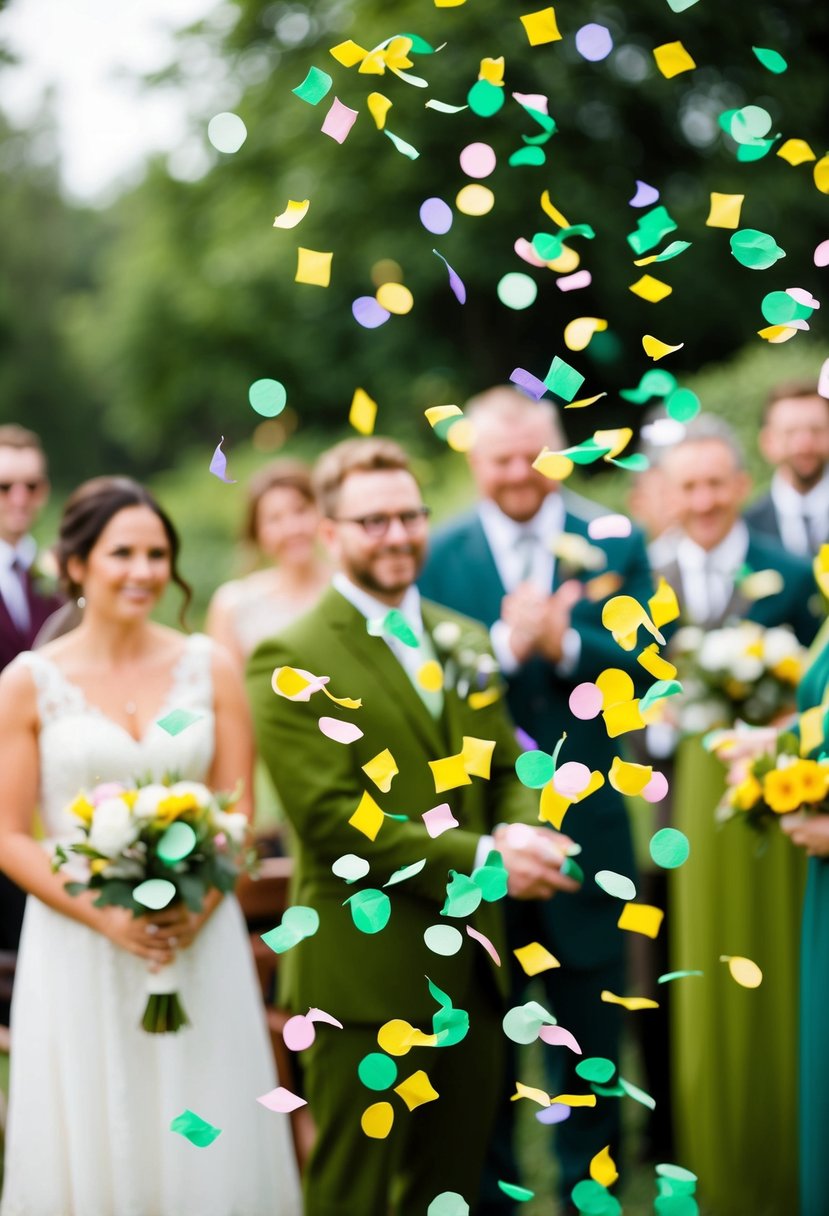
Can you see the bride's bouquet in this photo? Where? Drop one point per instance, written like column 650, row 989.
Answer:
column 150, row 844
column 777, row 783
column 740, row 671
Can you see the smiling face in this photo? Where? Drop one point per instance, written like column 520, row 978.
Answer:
column 127, row 569
column 795, row 439
column 286, row 526
column 708, row 489
column 501, row 459
column 23, row 491
column 385, row 565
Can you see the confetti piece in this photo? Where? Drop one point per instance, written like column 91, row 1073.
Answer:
column 178, row 720
column 281, row 1101
column 298, row 1033
column 609, row 526
column 535, row 769
column 632, row 1003
column 656, row 789
column 449, row 773
column 443, row 107
column 682, row 405
column 622, row 616
column 586, row 701
column 641, row 918
column 575, row 1100
column 381, row 769
column 755, row 250
column 651, row 227
column 314, row 87
column 492, row 70
column 583, row 402
column 486, row 943
column 821, row 175
column 313, row 267
column 377, row 1071
column 267, row 397
column 650, row 289
column 772, row 60
column 362, row 413
column 679, row 6
column 796, row 151
column 293, row 214
column 416, row 1090
column 195, row 1129
column 672, row 58
column 339, row 731
column 563, row 380
column 368, row 313
column 669, row 848
column 378, row 108
column 298, row 922
column 478, row 160
column 541, row 27
column 645, row 195
column 577, row 333
column 821, row 256
column 656, row 349
column 676, row 975
column 455, row 281
column 485, row 99
column 448, row 1203
column 338, row 121
column 725, row 210
column 445, row 940
column 475, row 200
column 517, row 291
column 528, row 383
column 594, row 42
column 572, row 779
column 436, row 216
column 574, row 282
column 402, row 145
column 154, row 893
column 406, row 872
column 218, row 465
column 639, row 1095
column 463, row 895
column 617, row 885
column 520, row 1193
column 523, row 1023
column 368, row 817
column 535, row 958
column 596, row 1069
column 227, row 132
column 370, row 910
column 177, row 842
column 377, row 1120
column 555, row 1113
column 746, row 973
column 629, row 778
column 350, row 867
column 440, row 818
column 557, row 1036
column 395, row 298
column 673, row 250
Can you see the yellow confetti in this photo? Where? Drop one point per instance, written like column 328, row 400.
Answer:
column 615, row 685
column 620, row 719
column 655, row 665
column 746, row 973
column 595, row 783
column 534, row 958
column 603, row 1168
column 650, row 289
column 629, row 778
column 363, row 412
column 821, row 175
column 480, row 700
column 475, row 199
column 663, row 604
column 293, row 214
column 449, row 3
column 776, row 333
column 602, row 587
column 584, row 401
column 577, row 333
column 492, row 70
column 461, row 435
column 541, row 27
column 641, row 918
column 382, row 770
column 374, row 63
column 550, row 209
column 477, row 756
column 430, row 676
column 345, row 702
column 566, row 261
column 528, row 1091
column 378, row 108
column 820, row 568
column 396, row 298
column 398, row 1037
column 616, row 439
column 658, row 350
column 377, row 1120
column 449, row 773
column 553, row 806
column 725, row 210
column 348, row 53
column 416, row 1090
column 288, row 682
column 811, row 729
column 672, row 58
column 623, row 615
column 575, row 1099
column 368, row 818
column 629, row 1002
column 796, row 151
column 313, row 267
column 439, row 413
column 553, row 465
column 761, row 584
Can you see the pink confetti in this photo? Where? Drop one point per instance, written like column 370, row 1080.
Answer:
column 644, row 196
column 319, row 1015
column 607, row 526
column 281, row 1100
column 368, row 313
column 340, row 732
column 823, row 380
column 528, row 383
column 525, row 251
column 486, row 943
column 439, row 820
column 535, row 101
column 572, row 282
column 218, row 465
column 656, row 789
column 559, row 1037
column 455, row 281
column 436, row 216
column 478, row 160
column 802, row 296
column 822, row 254
column 298, row 1032
column 593, row 42
column 571, row 779
column 586, row 701
column 338, row 121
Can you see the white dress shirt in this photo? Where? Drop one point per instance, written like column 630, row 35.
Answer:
column 11, row 586
column 790, row 507
column 708, row 576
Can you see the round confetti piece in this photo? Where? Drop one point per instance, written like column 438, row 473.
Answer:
column 302, row 920
column 370, row 910
column 485, row 98
column 226, row 132
column 754, row 249
column 586, row 701
column 822, row 254
column 395, row 1037
column 676, row 1173
column 676, row 1205
column 377, row 1120
column 430, row 676
column 478, row 160
column 746, row 973
column 597, row 1069
column 436, row 216
column 521, row 1025
column 594, row 1200
column 556, row 1113
column 475, row 200
column 460, row 435
column 656, row 789
column 593, row 42
column 448, row 1203
column 177, row 843
column 377, row 1071
column 368, row 313
column 155, row 893
column 395, row 298
column 535, row 769
column 267, row 397
column 445, row 940
column 617, row 885
column 350, row 867
column 572, row 778
column 517, row 291
column 780, row 308
column 298, row 1032
column 682, row 405
column 749, row 124
column 669, row 848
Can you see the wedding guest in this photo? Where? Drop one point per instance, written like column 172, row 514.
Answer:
column 26, row 598
column 795, row 440
column 92, row 1094
column 734, row 1121
column 281, row 523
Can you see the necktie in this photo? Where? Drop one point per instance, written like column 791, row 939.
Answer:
column 412, row 662
column 811, row 532
column 714, row 597
column 15, row 597
column 526, row 545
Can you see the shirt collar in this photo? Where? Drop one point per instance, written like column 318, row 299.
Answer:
column 727, row 556
column 788, row 501
column 548, row 520
column 370, row 607
column 25, row 552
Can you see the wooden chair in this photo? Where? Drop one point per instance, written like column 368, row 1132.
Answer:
column 263, row 900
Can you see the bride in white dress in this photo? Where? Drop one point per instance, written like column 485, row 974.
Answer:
column 92, row 1094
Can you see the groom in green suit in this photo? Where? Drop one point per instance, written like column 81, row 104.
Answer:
column 524, row 565
column 399, row 782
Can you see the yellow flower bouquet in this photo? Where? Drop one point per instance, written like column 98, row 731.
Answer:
column 778, row 784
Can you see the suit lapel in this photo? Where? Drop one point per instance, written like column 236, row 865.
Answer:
column 488, row 586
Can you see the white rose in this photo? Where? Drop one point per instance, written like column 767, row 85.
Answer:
column 747, row 668
column 716, row 650
column 113, row 827
column 688, row 639
column 200, row 792
column 447, row 634
column 233, row 823
column 779, row 644
column 146, row 804
column 696, row 719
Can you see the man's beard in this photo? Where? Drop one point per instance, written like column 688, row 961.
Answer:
column 362, row 573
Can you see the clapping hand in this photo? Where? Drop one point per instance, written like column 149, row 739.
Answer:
column 538, row 622
column 533, row 858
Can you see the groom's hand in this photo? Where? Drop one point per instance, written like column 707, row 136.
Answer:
column 533, row 858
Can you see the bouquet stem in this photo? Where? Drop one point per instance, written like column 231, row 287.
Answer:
column 164, row 1013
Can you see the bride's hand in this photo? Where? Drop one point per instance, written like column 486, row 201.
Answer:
column 811, row 832
column 136, row 934
column 178, row 927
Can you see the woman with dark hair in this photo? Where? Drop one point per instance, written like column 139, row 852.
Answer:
column 92, row 1094
column 281, row 523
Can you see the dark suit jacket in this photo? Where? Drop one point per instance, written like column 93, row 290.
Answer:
column 761, row 516
column 461, row 573
column 12, row 640
column 357, row 977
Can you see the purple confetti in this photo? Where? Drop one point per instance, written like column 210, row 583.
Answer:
column 369, row 313
column 593, row 42
column 528, row 383
column 436, row 216
column 572, row 282
column 218, row 465
column 524, row 741
column 455, row 281
column 645, row 195
column 556, row 1113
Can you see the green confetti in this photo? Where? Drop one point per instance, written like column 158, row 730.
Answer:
column 485, row 98
column 178, row 720
column 401, row 144
column 370, row 910
column 596, row 1068
column 750, row 152
column 749, row 124
column 177, row 843
column 154, row 893
column 650, row 229
column 419, row 45
column 608, row 1091
column 676, row 975
column 517, row 291
column 298, row 922
column 350, row 867
column 676, row 1205
column 754, row 249
column 448, row 1203
column 587, row 452
column 772, row 60
column 449, row 1024
column 637, row 463
column 563, row 380
column 682, row 405
column 572, row 869
column 195, row 1129
column 516, row 1192
column 617, row 885
column 672, row 251
column 314, row 87
column 377, row 1071
column 547, row 124
column 676, row 1173
column 779, row 308
column 492, row 878
column 405, row 872
column 523, row 1022
column 547, row 246
column 445, row 940
column 639, row 1095
column 267, row 397
column 528, row 156
column 535, row 769
column 669, row 848
column 463, row 895
column 594, row 1199
column 654, row 383
column 395, row 624
column 658, row 692
column 679, row 6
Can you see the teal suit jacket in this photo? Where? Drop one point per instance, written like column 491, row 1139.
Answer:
column 462, row 574
column 362, row 978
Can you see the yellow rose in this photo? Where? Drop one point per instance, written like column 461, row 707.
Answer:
column 747, row 794
column 813, row 778
column 83, row 809
column 782, row 789
column 173, row 807
column 788, row 670
column 98, row 865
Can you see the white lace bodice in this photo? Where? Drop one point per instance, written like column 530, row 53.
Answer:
column 80, row 746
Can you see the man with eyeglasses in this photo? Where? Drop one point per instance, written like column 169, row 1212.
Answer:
column 24, row 608
column 398, row 778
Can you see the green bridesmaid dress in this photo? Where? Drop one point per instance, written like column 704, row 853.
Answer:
column 735, row 1049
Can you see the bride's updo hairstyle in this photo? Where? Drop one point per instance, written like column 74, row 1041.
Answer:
column 87, row 512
